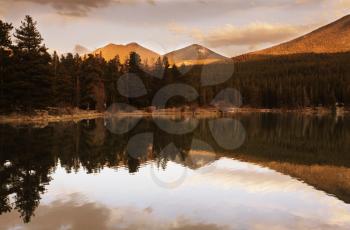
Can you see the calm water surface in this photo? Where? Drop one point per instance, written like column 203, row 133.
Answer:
column 258, row 171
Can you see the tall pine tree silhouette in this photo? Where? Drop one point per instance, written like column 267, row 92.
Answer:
column 5, row 52
column 31, row 83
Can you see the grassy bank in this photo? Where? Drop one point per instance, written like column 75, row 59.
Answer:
column 77, row 115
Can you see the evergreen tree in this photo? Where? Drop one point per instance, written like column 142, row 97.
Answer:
column 174, row 74
column 66, row 70
column 5, row 37
column 28, row 37
column 166, row 64
column 32, row 78
column 55, row 65
column 134, row 63
column 92, row 92
column 5, row 62
column 158, row 69
column 112, row 73
column 77, row 73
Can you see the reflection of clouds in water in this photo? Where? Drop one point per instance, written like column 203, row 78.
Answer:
column 273, row 194
column 72, row 214
column 60, row 214
column 235, row 195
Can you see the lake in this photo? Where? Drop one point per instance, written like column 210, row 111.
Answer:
column 253, row 171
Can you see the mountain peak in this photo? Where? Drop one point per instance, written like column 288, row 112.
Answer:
column 111, row 45
column 111, row 50
column 196, row 46
column 133, row 44
column 194, row 54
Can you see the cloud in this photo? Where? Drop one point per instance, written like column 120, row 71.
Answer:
column 79, row 8
column 96, row 22
column 165, row 8
column 343, row 3
column 177, row 28
column 71, row 7
column 341, row 7
column 250, row 35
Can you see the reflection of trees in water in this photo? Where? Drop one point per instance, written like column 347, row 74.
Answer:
column 26, row 163
column 298, row 139
column 29, row 155
column 170, row 147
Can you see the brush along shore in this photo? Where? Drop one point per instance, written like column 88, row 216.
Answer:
column 65, row 114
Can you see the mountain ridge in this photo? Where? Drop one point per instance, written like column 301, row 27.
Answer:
column 189, row 55
column 330, row 38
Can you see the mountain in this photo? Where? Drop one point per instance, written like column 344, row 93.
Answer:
column 194, row 54
column 110, row 51
column 81, row 50
column 332, row 38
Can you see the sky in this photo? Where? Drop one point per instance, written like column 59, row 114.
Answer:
column 229, row 27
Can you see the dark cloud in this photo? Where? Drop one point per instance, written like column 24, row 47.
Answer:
column 80, row 8
column 72, row 7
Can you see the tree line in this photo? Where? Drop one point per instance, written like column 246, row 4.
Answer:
column 31, row 78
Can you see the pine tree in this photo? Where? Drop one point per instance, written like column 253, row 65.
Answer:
column 158, row 69
column 77, row 73
column 31, row 83
column 5, row 37
column 66, row 81
column 5, row 62
column 28, row 36
column 92, row 91
column 54, row 86
column 134, row 62
column 112, row 73
column 166, row 64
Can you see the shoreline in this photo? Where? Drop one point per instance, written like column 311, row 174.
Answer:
column 171, row 112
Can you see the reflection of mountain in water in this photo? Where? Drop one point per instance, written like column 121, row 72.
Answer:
column 312, row 149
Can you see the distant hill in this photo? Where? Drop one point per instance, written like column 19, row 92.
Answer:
column 194, row 54
column 81, row 50
column 110, row 51
column 332, row 38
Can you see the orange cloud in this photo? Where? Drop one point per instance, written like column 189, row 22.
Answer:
column 251, row 35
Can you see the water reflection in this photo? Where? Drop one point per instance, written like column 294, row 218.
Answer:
column 122, row 179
